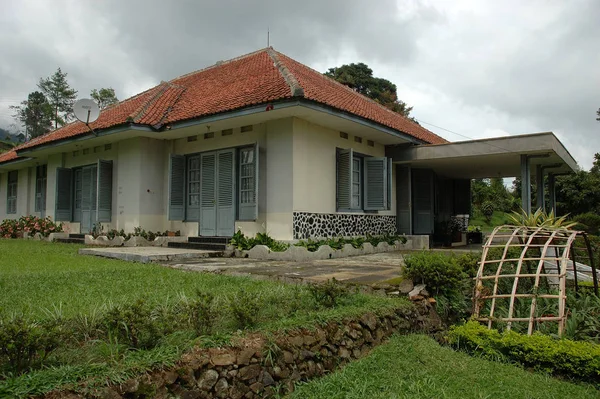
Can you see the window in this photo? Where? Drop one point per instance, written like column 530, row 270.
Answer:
column 248, row 183
column 356, row 183
column 40, row 188
column 363, row 182
column 11, row 197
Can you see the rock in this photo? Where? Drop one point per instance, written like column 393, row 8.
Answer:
column 394, row 293
column 431, row 301
column 244, row 356
column 232, row 373
column 223, row 359
column 267, row 379
column 249, row 372
column 170, row 377
column 309, row 340
column 344, row 353
column 416, row 291
column 367, row 336
column 109, row 393
column 296, row 340
column 256, row 387
column 193, row 394
column 406, row 286
column 130, row 386
column 369, row 320
column 304, row 354
column 417, row 298
column 288, row 357
column 222, row 388
column 208, row 380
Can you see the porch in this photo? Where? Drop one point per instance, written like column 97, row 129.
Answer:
column 433, row 182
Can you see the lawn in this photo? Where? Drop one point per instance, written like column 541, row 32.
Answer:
column 49, row 281
column 416, row 366
column 498, row 219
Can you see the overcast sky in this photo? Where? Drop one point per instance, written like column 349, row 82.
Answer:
column 477, row 68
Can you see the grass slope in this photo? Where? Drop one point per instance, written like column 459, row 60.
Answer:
column 42, row 280
column 498, row 219
column 416, row 366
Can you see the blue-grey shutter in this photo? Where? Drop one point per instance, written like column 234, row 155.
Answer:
column 389, row 184
column 376, row 182
column 344, row 179
column 104, row 193
column 192, row 194
column 208, row 194
column 422, row 201
column 176, row 187
column 403, row 200
column 226, row 193
column 248, row 186
column 64, row 195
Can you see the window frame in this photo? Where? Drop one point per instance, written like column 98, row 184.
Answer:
column 41, row 188
column 362, row 184
column 12, row 187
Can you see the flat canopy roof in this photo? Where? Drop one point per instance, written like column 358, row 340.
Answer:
column 487, row 158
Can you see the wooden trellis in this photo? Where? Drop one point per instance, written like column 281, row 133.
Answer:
column 522, row 265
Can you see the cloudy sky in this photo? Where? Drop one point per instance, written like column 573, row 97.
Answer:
column 471, row 68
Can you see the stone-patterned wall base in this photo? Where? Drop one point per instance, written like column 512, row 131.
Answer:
column 244, row 371
column 322, row 225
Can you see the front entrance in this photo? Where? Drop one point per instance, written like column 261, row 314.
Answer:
column 85, row 195
column 217, row 193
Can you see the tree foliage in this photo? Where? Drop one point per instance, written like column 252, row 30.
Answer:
column 35, row 114
column 579, row 192
column 104, row 97
column 360, row 78
column 60, row 96
column 493, row 194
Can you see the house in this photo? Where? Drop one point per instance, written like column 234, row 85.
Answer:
column 260, row 143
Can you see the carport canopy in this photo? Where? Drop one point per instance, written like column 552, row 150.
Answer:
column 495, row 157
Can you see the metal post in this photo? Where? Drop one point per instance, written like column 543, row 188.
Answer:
column 539, row 181
column 552, row 192
column 525, row 185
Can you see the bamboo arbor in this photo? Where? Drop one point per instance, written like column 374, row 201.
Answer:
column 524, row 274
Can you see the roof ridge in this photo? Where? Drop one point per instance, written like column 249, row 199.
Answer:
column 295, row 87
column 219, row 63
column 356, row 92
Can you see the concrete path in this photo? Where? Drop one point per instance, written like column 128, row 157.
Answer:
column 360, row 269
column 148, row 254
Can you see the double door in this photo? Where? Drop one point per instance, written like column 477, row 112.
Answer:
column 217, row 193
column 86, row 197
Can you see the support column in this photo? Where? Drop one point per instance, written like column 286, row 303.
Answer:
column 552, row 192
column 539, row 181
column 525, row 184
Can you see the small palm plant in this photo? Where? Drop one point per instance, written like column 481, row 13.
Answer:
column 540, row 218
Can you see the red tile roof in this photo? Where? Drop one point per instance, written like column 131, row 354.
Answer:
column 256, row 78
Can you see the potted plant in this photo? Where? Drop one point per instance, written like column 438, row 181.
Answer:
column 474, row 235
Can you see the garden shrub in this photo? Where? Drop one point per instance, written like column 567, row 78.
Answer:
column 562, row 357
column 25, row 343
column 329, row 293
column 487, row 209
column 132, row 324
column 245, row 309
column 12, row 228
column 441, row 273
column 203, row 313
column 589, row 222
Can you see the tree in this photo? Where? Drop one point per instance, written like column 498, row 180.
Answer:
column 60, row 96
column 360, row 78
column 35, row 114
column 598, row 113
column 104, row 97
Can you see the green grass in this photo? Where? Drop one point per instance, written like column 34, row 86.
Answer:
column 498, row 219
column 42, row 280
column 416, row 366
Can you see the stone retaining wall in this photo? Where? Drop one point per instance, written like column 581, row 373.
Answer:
column 266, row 366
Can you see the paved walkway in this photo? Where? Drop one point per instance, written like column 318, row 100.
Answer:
column 360, row 269
column 147, row 254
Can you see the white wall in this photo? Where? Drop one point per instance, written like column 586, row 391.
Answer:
column 314, row 166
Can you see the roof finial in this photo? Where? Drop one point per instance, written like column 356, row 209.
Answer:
column 268, row 38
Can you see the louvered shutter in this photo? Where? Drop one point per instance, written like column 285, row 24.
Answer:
column 344, row 179
column 104, row 191
column 192, row 195
column 376, row 182
column 225, row 193
column 403, row 200
column 248, row 183
column 64, row 195
column 208, row 204
column 389, row 184
column 176, row 187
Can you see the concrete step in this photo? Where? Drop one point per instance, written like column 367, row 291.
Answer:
column 210, row 240
column 73, row 235
column 71, row 240
column 198, row 245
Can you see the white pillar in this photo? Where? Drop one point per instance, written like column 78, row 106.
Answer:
column 525, row 184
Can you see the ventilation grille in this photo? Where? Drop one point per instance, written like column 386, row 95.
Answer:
column 192, row 138
column 344, row 135
column 245, row 129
